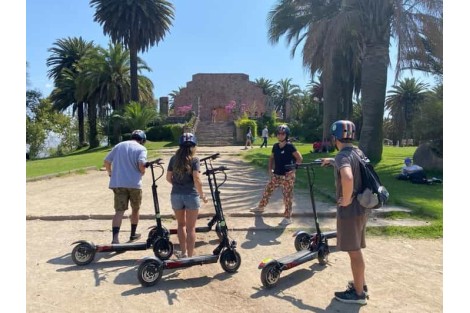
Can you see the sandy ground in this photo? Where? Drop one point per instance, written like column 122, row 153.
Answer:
column 403, row 275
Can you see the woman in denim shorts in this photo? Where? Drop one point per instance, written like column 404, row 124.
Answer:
column 186, row 192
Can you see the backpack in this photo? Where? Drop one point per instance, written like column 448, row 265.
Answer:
column 373, row 194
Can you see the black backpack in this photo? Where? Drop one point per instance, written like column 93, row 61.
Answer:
column 372, row 194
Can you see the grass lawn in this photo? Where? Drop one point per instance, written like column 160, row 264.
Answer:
column 425, row 201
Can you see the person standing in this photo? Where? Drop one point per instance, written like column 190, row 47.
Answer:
column 265, row 134
column 184, row 175
column 351, row 217
column 283, row 153
column 125, row 165
column 214, row 115
column 249, row 138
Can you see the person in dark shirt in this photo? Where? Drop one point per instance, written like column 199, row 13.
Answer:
column 283, row 153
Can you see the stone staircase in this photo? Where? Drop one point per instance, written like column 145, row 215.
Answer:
column 215, row 134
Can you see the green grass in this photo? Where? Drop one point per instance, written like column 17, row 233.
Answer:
column 425, row 201
column 80, row 159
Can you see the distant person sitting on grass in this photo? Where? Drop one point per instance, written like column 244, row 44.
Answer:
column 415, row 174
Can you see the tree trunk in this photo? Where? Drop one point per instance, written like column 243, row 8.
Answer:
column 81, row 124
column 134, row 79
column 94, row 143
column 373, row 84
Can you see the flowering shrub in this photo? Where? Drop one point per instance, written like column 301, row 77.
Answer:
column 230, row 107
column 183, row 110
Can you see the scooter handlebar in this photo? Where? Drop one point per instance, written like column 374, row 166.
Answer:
column 216, row 170
column 213, row 157
column 157, row 161
column 303, row 165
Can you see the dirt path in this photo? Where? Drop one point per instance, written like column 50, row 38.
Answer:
column 403, row 275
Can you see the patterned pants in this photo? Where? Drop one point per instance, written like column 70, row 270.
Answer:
column 287, row 184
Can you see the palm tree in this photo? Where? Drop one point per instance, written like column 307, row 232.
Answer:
column 137, row 116
column 285, row 92
column 65, row 54
column 367, row 26
column 403, row 102
column 105, row 78
column 137, row 24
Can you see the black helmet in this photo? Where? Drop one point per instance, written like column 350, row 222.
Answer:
column 139, row 135
column 188, row 139
column 343, row 129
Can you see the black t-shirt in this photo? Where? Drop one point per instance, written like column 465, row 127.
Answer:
column 282, row 157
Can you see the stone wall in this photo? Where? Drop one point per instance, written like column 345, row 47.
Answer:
column 216, row 91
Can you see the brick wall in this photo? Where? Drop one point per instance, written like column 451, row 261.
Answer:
column 217, row 90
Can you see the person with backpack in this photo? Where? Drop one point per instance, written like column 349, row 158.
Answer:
column 351, row 217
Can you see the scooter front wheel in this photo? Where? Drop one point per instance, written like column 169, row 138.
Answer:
column 270, row 275
column 302, row 241
column 150, row 272
column 323, row 253
column 163, row 248
column 83, row 253
column 230, row 260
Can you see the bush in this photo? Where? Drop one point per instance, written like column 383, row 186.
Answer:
column 159, row 133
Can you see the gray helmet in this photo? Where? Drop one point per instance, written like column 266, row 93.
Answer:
column 139, row 135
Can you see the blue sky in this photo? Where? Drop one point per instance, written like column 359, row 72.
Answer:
column 207, row 36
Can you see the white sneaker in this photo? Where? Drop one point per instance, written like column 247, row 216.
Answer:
column 257, row 209
column 286, row 221
column 180, row 255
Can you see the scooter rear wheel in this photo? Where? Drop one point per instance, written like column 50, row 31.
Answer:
column 230, row 260
column 270, row 275
column 302, row 241
column 323, row 253
column 163, row 249
column 83, row 254
column 150, row 272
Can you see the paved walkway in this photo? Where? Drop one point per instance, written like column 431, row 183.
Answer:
column 86, row 196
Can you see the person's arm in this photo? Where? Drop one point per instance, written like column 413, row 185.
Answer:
column 107, row 165
column 327, row 161
column 198, row 185
column 169, row 177
column 298, row 157
column 271, row 165
column 142, row 168
column 347, row 185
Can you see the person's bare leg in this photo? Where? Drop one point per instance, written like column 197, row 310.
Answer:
column 181, row 220
column 135, row 216
column 358, row 270
column 117, row 221
column 191, row 218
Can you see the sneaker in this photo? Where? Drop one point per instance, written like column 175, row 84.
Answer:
column 350, row 296
column 286, row 221
column 257, row 209
column 115, row 242
column 351, row 286
column 180, row 254
column 134, row 237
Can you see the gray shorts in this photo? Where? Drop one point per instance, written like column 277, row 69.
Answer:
column 182, row 201
column 351, row 230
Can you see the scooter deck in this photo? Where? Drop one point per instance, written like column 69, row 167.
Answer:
column 191, row 261
column 134, row 246
column 298, row 258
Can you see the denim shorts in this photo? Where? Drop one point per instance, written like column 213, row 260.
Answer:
column 182, row 201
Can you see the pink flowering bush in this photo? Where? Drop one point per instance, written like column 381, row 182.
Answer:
column 229, row 107
column 183, row 110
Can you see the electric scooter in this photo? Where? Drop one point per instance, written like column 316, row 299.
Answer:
column 309, row 247
column 150, row 270
column 212, row 222
column 158, row 237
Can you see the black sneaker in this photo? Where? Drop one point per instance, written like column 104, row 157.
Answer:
column 351, row 286
column 134, row 237
column 350, row 296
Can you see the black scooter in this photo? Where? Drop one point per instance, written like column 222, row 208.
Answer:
column 158, row 237
column 309, row 247
column 150, row 270
column 213, row 220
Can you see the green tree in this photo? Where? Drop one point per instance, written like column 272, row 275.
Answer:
column 136, row 24
column 284, row 93
column 137, row 116
column 62, row 63
column 403, row 102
